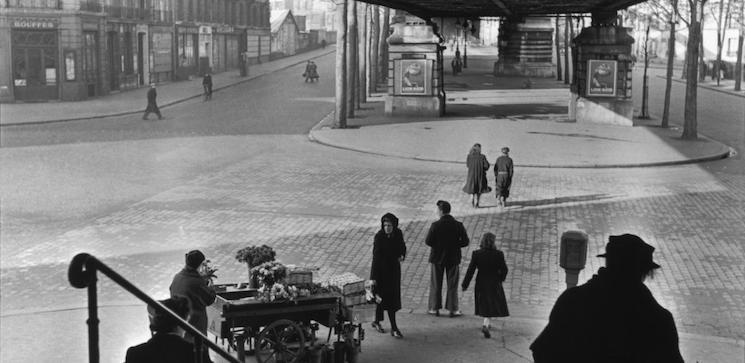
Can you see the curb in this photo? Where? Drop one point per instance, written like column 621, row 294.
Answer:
column 733, row 93
column 718, row 156
column 248, row 78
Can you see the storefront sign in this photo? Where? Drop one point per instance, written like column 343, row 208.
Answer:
column 34, row 23
column 224, row 29
column 413, row 76
column 601, row 78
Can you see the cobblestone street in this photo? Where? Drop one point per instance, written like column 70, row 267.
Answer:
column 320, row 207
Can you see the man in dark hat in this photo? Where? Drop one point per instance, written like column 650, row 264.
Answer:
column 445, row 238
column 194, row 287
column 152, row 103
column 166, row 344
column 613, row 317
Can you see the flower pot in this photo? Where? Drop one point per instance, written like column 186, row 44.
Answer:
column 252, row 281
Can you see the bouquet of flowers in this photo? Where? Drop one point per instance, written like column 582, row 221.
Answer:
column 269, row 273
column 255, row 255
column 207, row 271
column 278, row 292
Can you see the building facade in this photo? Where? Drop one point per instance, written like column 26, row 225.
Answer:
column 70, row 50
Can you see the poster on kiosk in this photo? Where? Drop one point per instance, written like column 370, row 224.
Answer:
column 601, row 78
column 414, row 77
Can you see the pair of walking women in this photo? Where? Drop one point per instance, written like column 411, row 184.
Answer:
column 476, row 181
column 389, row 250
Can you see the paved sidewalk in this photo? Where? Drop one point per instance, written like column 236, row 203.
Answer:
column 134, row 101
column 536, row 139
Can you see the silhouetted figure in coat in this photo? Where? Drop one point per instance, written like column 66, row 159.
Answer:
column 152, row 104
column 197, row 289
column 613, row 317
column 503, row 172
column 166, row 344
column 476, row 182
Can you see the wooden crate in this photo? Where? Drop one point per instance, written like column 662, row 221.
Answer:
column 299, row 277
column 358, row 314
column 355, row 299
column 353, row 288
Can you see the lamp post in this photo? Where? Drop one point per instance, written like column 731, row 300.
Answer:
column 465, row 43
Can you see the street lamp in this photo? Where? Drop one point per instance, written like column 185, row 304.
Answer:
column 465, row 44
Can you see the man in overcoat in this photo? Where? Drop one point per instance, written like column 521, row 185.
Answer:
column 613, row 317
column 152, row 104
column 197, row 289
column 445, row 238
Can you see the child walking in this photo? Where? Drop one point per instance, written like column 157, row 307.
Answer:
column 489, row 294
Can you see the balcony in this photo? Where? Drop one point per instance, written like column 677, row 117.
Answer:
column 35, row 4
column 124, row 12
column 93, row 6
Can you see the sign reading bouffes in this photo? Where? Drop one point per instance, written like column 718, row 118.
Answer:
column 34, row 23
column 601, row 78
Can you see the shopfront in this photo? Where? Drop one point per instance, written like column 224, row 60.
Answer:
column 187, row 39
column 161, row 45
column 35, row 59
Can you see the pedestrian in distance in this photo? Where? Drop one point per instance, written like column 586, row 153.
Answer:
column 389, row 250
column 207, row 85
column 492, row 271
column 313, row 71
column 476, row 181
column 166, row 345
column 503, row 172
column 152, row 104
column 445, row 238
column 613, row 317
column 190, row 284
column 306, row 73
column 323, row 43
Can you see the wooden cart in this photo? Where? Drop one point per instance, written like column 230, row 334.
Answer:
column 280, row 331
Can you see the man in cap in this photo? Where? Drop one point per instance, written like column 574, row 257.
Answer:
column 194, row 287
column 613, row 317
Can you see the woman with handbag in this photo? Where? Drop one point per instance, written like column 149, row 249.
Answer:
column 489, row 294
column 389, row 250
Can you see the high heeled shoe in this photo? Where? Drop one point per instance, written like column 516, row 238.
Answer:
column 378, row 327
column 485, row 330
column 396, row 333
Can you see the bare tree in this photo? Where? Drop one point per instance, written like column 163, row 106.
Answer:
column 362, row 71
column 557, row 42
column 351, row 56
column 340, row 121
column 383, row 45
column 645, row 80
column 374, row 40
column 567, row 26
column 694, row 41
column 738, row 66
column 666, row 10
column 722, row 21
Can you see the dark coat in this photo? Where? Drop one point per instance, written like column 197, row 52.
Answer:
column 503, row 171
column 189, row 284
column 162, row 348
column 386, row 268
column 488, row 292
column 152, row 105
column 207, row 81
column 446, row 237
column 476, row 182
column 606, row 321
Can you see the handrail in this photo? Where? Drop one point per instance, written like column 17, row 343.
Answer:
column 82, row 274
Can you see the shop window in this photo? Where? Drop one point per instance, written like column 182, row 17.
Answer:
column 90, row 64
column 186, row 50
column 20, row 69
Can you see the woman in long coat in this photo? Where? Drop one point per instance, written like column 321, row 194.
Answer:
column 389, row 250
column 476, row 182
column 489, row 294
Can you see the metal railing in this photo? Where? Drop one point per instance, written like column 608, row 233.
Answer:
column 82, row 274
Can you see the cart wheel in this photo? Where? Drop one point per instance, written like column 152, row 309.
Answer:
column 281, row 341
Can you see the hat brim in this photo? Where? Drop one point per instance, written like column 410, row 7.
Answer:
column 652, row 265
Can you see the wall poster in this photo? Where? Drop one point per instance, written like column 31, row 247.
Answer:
column 601, row 78
column 414, row 76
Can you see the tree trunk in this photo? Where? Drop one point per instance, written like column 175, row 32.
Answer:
column 341, row 65
column 375, row 37
column 645, row 79
column 567, row 25
column 351, row 56
column 694, row 33
column 571, row 56
column 701, row 62
column 383, row 45
column 720, row 39
column 738, row 66
column 363, row 55
column 684, row 72
column 670, row 63
column 557, row 41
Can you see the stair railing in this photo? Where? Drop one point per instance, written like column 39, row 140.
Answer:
column 82, row 274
